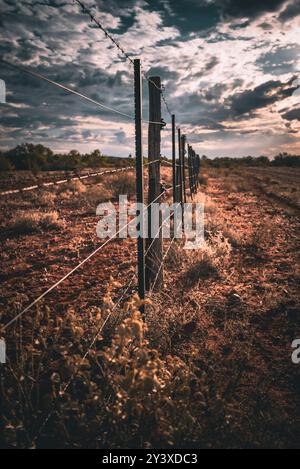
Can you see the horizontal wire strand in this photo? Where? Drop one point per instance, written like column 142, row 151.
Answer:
column 65, row 88
column 74, row 92
column 64, row 181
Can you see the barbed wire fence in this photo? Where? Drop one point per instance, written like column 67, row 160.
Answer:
column 150, row 256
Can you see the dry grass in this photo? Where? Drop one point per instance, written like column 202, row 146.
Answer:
column 210, row 260
column 151, row 399
column 203, row 180
column 96, row 195
column 177, row 256
column 122, row 184
column 262, row 236
column 209, row 205
column 196, row 373
column 77, row 187
column 90, row 196
column 70, row 191
column 216, row 223
column 46, row 199
column 32, row 221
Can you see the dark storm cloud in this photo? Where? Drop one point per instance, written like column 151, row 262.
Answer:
column 260, row 97
column 294, row 114
column 191, row 15
column 248, row 8
column 209, row 12
column 292, row 10
column 207, row 109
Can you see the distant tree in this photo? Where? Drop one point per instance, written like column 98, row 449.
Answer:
column 262, row 161
column 30, row 157
column 284, row 159
column 73, row 160
column 5, row 164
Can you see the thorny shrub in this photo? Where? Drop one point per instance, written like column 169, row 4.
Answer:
column 121, row 394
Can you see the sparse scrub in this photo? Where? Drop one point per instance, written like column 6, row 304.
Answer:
column 149, row 398
column 70, row 189
column 76, row 187
column 244, row 185
column 122, row 184
column 210, row 260
column 46, row 199
column 177, row 256
column 96, row 195
column 207, row 366
column 203, row 180
column 51, row 221
column 229, row 185
column 262, row 236
column 216, row 223
column 209, row 205
column 32, row 221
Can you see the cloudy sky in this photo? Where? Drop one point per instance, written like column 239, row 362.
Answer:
column 231, row 70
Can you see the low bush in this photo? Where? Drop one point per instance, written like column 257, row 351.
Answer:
column 96, row 195
column 32, row 221
column 46, row 199
column 122, row 394
column 210, row 259
column 122, row 184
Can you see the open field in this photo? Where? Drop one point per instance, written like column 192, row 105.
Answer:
column 210, row 367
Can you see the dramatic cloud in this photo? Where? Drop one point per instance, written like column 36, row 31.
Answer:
column 230, row 70
column 248, row 8
column 294, row 114
column 291, row 11
column 261, row 97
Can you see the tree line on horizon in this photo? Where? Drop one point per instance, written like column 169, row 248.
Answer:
column 282, row 159
column 31, row 157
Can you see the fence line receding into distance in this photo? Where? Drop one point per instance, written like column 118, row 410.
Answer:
column 150, row 261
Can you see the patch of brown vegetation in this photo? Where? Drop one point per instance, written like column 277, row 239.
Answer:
column 209, row 367
column 32, row 221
